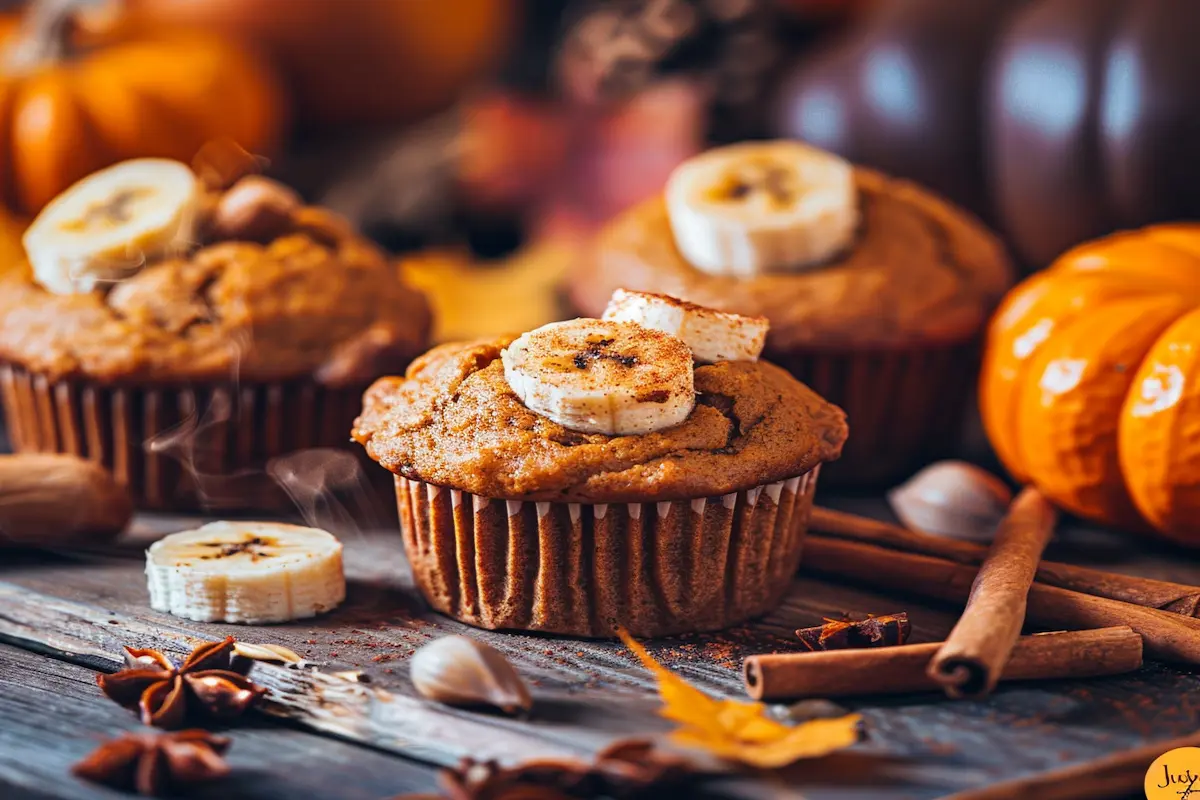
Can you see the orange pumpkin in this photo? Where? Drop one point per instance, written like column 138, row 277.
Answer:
column 1090, row 387
column 66, row 112
column 353, row 62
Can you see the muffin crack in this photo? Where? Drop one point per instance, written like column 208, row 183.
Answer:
column 724, row 404
column 202, row 300
column 940, row 236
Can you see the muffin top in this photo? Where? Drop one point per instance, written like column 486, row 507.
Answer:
column 454, row 420
column 270, row 290
column 917, row 270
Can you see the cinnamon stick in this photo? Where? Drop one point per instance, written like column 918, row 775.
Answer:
column 1117, row 775
column 970, row 661
column 1167, row 636
column 1178, row 598
column 894, row 670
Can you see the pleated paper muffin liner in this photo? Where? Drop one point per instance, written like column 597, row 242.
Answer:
column 656, row 568
column 182, row 447
column 905, row 407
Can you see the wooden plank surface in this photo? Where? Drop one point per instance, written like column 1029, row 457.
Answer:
column 917, row 746
column 51, row 716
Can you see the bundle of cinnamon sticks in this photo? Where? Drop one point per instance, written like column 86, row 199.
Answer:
column 1103, row 621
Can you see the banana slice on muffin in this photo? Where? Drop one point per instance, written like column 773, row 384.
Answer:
column 761, row 206
column 712, row 335
column 248, row 572
column 601, row 376
column 112, row 222
column 721, row 480
column 632, row 372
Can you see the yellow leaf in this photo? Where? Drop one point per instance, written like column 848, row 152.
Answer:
column 740, row 731
column 812, row 739
column 682, row 702
column 746, row 722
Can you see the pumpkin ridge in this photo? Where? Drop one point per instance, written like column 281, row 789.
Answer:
column 1071, row 401
column 1160, row 447
column 50, row 139
column 1032, row 314
column 126, row 119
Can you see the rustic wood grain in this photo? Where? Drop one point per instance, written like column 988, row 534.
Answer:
column 51, row 715
column 321, row 701
column 384, row 619
column 919, row 746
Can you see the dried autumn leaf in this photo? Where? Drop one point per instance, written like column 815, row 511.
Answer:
column 740, row 731
column 807, row 740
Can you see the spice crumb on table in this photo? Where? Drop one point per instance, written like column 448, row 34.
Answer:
column 597, row 690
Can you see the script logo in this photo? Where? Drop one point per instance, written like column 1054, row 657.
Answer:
column 1175, row 775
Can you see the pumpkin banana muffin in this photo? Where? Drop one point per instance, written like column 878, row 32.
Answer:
column 877, row 290
column 184, row 334
column 597, row 472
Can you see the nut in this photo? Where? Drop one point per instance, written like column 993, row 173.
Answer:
column 51, row 500
column 325, row 227
column 460, row 671
column 953, row 499
column 255, row 209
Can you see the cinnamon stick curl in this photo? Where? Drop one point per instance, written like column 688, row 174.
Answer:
column 1178, row 598
column 1167, row 636
column 894, row 670
column 969, row 662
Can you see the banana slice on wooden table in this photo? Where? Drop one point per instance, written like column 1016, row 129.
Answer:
column 108, row 225
column 598, row 376
column 248, row 572
column 712, row 335
column 761, row 206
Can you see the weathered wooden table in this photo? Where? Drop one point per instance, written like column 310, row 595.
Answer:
column 62, row 618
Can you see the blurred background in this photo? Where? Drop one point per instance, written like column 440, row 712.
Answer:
column 484, row 140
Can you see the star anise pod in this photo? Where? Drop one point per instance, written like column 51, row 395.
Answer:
column 846, row 634
column 628, row 769
column 154, row 763
column 633, row 765
column 165, row 695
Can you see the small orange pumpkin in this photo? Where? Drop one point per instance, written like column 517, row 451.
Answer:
column 1090, row 387
column 351, row 62
column 65, row 113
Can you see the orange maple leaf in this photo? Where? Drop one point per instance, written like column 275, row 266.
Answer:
column 740, row 731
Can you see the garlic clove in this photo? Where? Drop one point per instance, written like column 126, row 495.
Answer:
column 459, row 671
column 952, row 499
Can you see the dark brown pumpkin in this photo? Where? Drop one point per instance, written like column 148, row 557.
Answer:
column 1058, row 120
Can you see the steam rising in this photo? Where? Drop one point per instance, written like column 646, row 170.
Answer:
column 193, row 443
column 329, row 488
column 198, row 441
